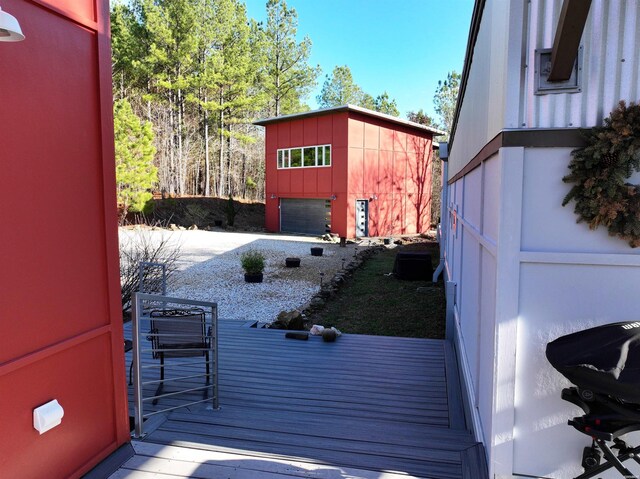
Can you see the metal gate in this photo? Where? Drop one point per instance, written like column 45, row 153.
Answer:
column 362, row 218
column 307, row 216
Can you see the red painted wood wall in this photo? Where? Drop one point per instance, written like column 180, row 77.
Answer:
column 372, row 159
column 60, row 319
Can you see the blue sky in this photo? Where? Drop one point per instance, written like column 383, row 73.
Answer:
column 401, row 46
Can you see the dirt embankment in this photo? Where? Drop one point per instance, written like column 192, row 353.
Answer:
column 204, row 213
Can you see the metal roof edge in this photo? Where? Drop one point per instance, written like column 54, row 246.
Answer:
column 349, row 108
column 474, row 29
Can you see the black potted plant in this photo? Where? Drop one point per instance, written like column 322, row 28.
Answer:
column 252, row 262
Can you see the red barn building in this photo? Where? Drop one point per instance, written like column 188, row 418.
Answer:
column 60, row 312
column 349, row 171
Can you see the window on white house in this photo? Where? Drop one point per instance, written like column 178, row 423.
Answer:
column 305, row 157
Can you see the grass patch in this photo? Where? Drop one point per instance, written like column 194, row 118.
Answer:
column 373, row 303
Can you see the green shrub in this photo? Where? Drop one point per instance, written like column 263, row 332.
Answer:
column 252, row 261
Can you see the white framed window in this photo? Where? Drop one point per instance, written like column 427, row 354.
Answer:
column 304, row 157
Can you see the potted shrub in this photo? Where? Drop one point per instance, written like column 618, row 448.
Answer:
column 252, row 262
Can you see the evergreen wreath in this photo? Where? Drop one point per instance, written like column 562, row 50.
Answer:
column 600, row 172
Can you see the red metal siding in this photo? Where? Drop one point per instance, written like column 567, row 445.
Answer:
column 370, row 161
column 60, row 284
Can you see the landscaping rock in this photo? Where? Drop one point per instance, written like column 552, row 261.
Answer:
column 291, row 320
column 329, row 335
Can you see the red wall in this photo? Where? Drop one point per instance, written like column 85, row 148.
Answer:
column 389, row 165
column 320, row 182
column 60, row 314
column 371, row 158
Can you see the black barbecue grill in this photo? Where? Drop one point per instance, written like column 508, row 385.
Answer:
column 604, row 365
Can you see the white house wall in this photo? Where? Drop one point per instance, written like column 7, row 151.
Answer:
column 484, row 112
column 471, row 264
column 610, row 70
column 571, row 278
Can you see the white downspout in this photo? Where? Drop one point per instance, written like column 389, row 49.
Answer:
column 444, row 198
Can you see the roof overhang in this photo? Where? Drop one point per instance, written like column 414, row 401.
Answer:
column 350, row 109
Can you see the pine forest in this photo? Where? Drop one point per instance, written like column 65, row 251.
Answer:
column 190, row 77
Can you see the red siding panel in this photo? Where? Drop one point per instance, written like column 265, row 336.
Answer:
column 272, row 214
column 370, row 180
column 310, row 181
column 84, row 389
column 297, row 181
column 356, row 133
column 271, row 137
column 399, row 141
column 386, row 139
column 339, row 170
column 371, row 136
column 356, row 171
column 385, row 173
column 340, row 130
column 284, row 135
column 297, row 133
column 325, row 129
column 284, row 182
column 324, row 182
column 60, row 286
column 310, row 131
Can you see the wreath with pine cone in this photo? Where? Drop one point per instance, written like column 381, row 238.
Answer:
column 600, row 172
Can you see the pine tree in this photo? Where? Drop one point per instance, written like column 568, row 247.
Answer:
column 386, row 105
column 340, row 89
column 445, row 100
column 135, row 172
column 288, row 76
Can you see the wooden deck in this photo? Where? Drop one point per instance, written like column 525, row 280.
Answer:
column 354, row 408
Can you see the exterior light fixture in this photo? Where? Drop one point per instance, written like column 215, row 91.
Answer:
column 273, row 196
column 333, row 197
column 10, row 30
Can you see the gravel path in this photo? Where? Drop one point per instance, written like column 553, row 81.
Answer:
column 209, row 270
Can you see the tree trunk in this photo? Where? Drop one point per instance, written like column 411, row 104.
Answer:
column 207, row 160
column 221, row 126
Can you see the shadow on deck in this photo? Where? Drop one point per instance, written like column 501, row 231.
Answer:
column 354, row 408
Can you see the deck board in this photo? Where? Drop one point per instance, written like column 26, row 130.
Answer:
column 367, row 403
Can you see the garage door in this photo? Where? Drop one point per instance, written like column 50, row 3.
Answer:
column 305, row 216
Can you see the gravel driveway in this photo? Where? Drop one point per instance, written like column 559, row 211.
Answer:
column 209, row 270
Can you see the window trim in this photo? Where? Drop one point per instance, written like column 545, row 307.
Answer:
column 285, row 162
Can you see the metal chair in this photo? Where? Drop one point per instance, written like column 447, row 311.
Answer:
column 152, row 279
column 179, row 333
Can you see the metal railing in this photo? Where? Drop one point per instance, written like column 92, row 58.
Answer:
column 178, row 336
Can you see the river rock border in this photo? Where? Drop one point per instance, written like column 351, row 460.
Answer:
column 330, row 288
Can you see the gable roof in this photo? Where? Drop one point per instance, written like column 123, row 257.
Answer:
column 350, row 108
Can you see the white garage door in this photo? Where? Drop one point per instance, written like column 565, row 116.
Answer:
column 305, row 216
